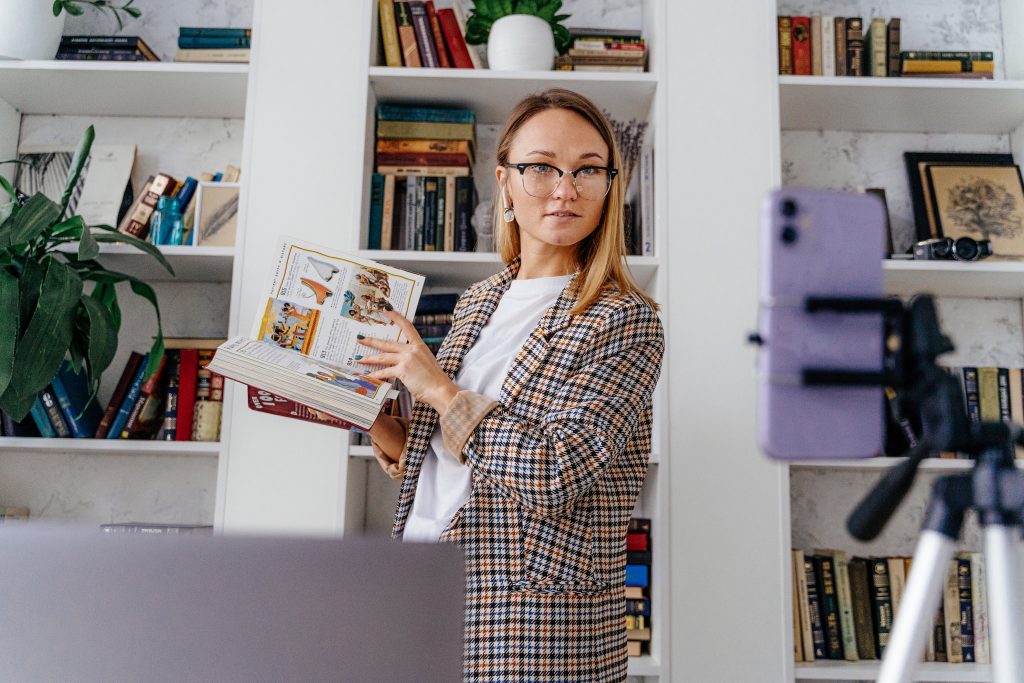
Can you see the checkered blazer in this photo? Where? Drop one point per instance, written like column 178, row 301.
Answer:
column 558, row 462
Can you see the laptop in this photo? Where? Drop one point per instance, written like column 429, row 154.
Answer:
column 80, row 605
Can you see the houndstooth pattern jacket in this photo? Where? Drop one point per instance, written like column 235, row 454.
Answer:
column 558, row 462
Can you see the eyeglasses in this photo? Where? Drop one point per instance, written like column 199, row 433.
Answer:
column 541, row 180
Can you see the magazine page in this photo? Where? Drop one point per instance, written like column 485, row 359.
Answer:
column 321, row 298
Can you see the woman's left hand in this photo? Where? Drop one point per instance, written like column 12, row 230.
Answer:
column 413, row 363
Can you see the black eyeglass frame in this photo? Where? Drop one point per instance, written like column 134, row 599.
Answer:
column 521, row 167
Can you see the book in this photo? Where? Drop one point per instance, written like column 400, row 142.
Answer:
column 801, row 46
column 844, row 598
column 136, row 221
column 854, row 46
column 81, row 411
column 860, row 594
column 839, row 23
column 875, row 56
column 389, row 33
column 53, row 412
column 435, row 31
column 816, row 55
column 131, row 367
column 429, row 130
column 376, row 211
column 963, row 580
column 892, row 48
column 979, row 601
column 881, row 600
column 128, row 43
column 951, row 610
column 407, row 35
column 827, row 593
column 100, row 54
column 828, row 46
column 802, row 616
column 156, row 528
column 304, row 343
column 455, row 39
column 424, row 171
column 219, row 31
column 213, row 42
column 424, row 35
column 169, row 426
column 222, row 55
column 128, row 402
column 188, row 371
column 814, row 607
column 38, row 416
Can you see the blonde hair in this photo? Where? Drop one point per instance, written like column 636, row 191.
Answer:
column 600, row 257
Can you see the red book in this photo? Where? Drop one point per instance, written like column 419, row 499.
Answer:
column 802, row 46
column 435, row 29
column 265, row 402
column 421, row 159
column 637, row 541
column 189, row 365
column 454, row 39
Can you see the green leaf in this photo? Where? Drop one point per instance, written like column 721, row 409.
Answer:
column 504, row 7
column 9, row 327
column 563, row 39
column 156, row 353
column 477, row 30
column 141, row 245
column 77, row 164
column 88, row 248
column 32, row 274
column 527, row 7
column 57, row 7
column 134, row 11
column 36, row 215
column 106, row 294
column 102, row 336
column 48, row 336
column 5, row 211
column 8, row 188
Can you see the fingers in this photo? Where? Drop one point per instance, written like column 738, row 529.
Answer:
column 382, row 344
column 403, row 323
column 378, row 359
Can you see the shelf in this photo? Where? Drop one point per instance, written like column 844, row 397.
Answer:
column 367, row 452
column 493, row 94
column 920, row 105
column 460, row 269
column 125, row 88
column 988, row 278
column 643, row 666
column 865, row 671
column 111, row 446
column 880, row 464
column 191, row 264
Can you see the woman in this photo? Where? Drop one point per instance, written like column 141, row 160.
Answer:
column 530, row 436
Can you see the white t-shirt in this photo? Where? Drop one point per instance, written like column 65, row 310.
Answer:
column 444, row 483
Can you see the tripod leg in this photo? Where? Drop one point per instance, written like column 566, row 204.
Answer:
column 1002, row 564
column 920, row 601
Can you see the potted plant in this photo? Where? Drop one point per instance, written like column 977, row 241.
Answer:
column 47, row 263
column 31, row 29
column 520, row 34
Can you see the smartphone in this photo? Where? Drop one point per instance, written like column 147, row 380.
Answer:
column 830, row 244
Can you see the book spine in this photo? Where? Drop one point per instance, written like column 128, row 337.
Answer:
column 424, row 171
column 854, row 46
column 419, row 212
column 399, row 146
column 449, row 215
column 465, row 239
column 979, row 602
column 966, row 608
column 442, row 186
column 389, row 33
column 803, row 615
column 988, row 394
column 1017, row 401
column 951, row 609
column 170, row 422
column 892, row 49
column 816, row 54
column 53, row 412
column 101, row 55
column 802, row 46
column 376, row 211
column 424, row 37
column 881, row 598
column 1003, row 380
column 131, row 42
column 460, row 19
column 435, row 31
column 876, row 46
column 830, row 607
column 429, row 213
column 828, row 46
column 840, row 42
column 136, row 222
column 399, row 231
column 845, row 602
column 785, row 40
column 421, row 159
column 939, row 633
column 814, row 609
column 188, row 366
column 68, row 409
column 130, row 397
column 220, row 31
column 860, row 593
column 238, row 55
column 428, row 130
column 454, row 39
column 913, row 55
column 387, row 219
column 213, row 42
column 406, row 35
column 39, row 416
column 971, row 394
column 410, row 213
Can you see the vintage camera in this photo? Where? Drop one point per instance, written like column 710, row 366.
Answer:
column 947, row 248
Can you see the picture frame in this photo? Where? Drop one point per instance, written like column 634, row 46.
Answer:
column 880, row 193
column 917, row 164
column 216, row 218
column 982, row 202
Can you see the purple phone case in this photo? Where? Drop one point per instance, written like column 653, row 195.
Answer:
column 838, row 252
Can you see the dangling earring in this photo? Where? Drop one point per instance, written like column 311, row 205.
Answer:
column 509, row 214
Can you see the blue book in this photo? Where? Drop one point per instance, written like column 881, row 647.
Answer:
column 397, row 112
column 42, row 422
column 129, row 400
column 437, row 303
column 185, row 192
column 638, row 575
column 218, row 176
column 376, row 211
column 72, row 391
column 218, row 32
column 213, row 42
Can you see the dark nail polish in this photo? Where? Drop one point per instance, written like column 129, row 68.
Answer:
column 359, row 336
column 357, row 357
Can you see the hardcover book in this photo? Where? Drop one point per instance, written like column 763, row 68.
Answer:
column 304, row 341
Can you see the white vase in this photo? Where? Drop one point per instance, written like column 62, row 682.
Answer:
column 521, row 42
column 28, row 29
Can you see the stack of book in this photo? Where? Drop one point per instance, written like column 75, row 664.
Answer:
column 843, row 609
column 638, row 586
column 13, row 514
column 418, row 35
column 422, row 195
column 157, row 528
column 105, row 48
column 433, row 319
column 937, row 64
column 598, row 49
column 229, row 45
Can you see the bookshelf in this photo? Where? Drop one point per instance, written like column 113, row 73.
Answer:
column 182, row 117
column 874, row 120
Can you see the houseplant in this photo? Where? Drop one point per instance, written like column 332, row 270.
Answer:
column 31, row 29
column 520, row 34
column 46, row 312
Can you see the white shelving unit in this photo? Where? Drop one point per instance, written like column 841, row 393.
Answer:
column 112, row 446
column 918, row 106
column 190, row 264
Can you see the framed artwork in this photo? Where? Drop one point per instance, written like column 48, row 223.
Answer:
column 917, row 164
column 983, row 202
column 216, row 219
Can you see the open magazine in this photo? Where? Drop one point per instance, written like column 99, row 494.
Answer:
column 298, row 361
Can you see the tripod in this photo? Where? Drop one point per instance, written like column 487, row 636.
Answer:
column 994, row 488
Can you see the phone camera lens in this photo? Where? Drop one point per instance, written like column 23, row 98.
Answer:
column 788, row 208
column 789, row 234
column 965, row 249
